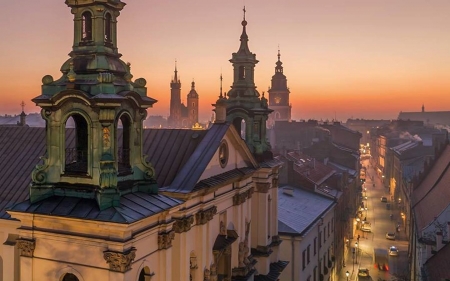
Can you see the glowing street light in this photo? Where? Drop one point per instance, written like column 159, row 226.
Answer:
column 347, row 274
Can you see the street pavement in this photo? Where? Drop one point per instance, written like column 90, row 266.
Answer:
column 379, row 217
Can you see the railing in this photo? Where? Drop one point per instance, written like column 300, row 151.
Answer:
column 76, row 160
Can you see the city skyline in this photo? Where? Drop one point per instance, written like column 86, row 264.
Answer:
column 342, row 60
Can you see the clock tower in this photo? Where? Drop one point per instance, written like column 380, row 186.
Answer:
column 279, row 96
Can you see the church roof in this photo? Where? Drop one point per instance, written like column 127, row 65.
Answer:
column 133, row 207
column 20, row 150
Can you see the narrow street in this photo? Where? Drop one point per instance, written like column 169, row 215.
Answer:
column 378, row 215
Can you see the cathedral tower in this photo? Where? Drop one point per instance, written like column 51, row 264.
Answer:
column 245, row 109
column 101, row 157
column 175, row 101
column 192, row 105
column 279, row 96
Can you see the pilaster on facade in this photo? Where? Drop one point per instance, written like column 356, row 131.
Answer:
column 26, row 247
column 120, row 261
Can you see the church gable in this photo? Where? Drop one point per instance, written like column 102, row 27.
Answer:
column 220, row 156
column 231, row 154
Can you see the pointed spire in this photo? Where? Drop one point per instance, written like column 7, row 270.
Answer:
column 221, row 96
column 193, row 84
column 278, row 52
column 244, row 37
column 175, row 78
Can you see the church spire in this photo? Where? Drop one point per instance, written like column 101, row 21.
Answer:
column 175, row 77
column 244, row 37
column 279, row 64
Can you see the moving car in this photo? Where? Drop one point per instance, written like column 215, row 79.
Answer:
column 390, row 235
column 393, row 251
column 363, row 273
column 384, row 199
column 366, row 228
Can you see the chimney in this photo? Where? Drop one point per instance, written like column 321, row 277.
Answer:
column 23, row 119
column 288, row 191
column 438, row 241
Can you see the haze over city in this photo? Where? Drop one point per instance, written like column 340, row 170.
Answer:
column 342, row 59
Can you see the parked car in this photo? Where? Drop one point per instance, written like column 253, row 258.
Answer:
column 384, row 199
column 390, row 235
column 393, row 251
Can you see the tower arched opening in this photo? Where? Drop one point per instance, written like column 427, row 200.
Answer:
column 123, row 143
column 240, row 126
column 86, row 26
column 108, row 28
column 76, row 145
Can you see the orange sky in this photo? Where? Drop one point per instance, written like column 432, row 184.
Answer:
column 346, row 58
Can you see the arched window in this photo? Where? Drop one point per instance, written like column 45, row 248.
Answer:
column 69, row 277
column 145, row 274
column 239, row 125
column 123, row 153
column 108, row 24
column 76, row 145
column 86, row 27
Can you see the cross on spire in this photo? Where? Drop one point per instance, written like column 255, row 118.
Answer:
column 23, row 105
column 244, row 12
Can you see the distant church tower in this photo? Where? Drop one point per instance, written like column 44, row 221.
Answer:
column 245, row 109
column 192, row 105
column 97, row 94
column 175, row 101
column 279, row 96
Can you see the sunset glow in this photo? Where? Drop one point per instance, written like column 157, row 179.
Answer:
column 342, row 59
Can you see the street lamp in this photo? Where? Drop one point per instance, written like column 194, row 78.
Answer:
column 366, row 211
column 356, row 254
column 347, row 274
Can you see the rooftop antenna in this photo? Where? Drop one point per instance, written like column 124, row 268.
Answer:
column 23, row 106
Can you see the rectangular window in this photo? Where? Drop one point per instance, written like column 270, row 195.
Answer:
column 315, row 273
column 320, row 239
column 328, row 229
column 315, row 245
column 332, row 224
column 304, row 259
column 308, row 253
column 324, row 234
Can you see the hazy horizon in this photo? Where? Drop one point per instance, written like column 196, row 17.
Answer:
column 342, row 59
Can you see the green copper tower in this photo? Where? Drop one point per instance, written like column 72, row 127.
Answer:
column 246, row 110
column 94, row 114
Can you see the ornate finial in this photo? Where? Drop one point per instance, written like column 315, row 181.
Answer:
column 23, row 106
column 278, row 52
column 128, row 75
column 244, row 22
column 71, row 75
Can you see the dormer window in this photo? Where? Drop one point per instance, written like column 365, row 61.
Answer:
column 86, row 26
column 108, row 24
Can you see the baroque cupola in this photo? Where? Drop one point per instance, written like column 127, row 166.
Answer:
column 94, row 114
column 279, row 95
column 246, row 110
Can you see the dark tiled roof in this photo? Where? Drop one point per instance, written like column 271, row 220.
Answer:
column 438, row 266
column 432, row 196
column 20, row 149
column 275, row 270
column 223, row 178
column 185, row 177
column 169, row 149
column 133, row 207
